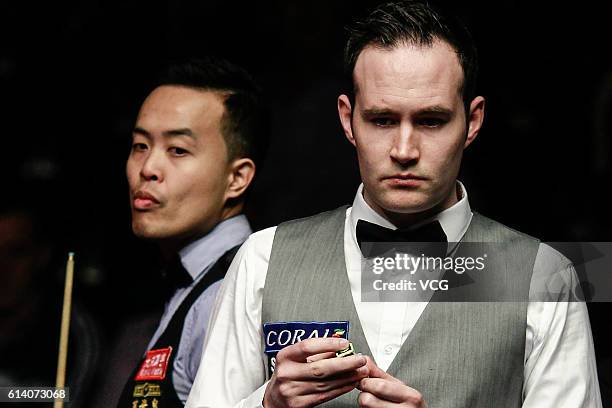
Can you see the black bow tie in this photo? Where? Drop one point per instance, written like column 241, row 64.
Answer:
column 369, row 232
column 175, row 276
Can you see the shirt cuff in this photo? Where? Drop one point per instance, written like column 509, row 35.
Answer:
column 255, row 400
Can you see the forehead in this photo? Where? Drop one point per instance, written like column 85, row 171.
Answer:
column 409, row 72
column 170, row 107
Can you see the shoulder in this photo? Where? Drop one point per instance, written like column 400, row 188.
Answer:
column 257, row 245
column 552, row 258
column 249, row 266
column 303, row 226
column 261, row 236
column 323, row 217
column 255, row 253
column 554, row 277
column 498, row 231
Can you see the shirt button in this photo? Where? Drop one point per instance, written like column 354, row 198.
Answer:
column 388, row 349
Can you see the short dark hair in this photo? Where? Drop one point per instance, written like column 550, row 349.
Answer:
column 413, row 22
column 244, row 124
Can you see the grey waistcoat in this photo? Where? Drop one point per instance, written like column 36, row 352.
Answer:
column 459, row 354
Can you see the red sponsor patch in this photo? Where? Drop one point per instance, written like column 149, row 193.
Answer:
column 154, row 366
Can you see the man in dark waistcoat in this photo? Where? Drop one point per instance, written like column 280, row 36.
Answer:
column 412, row 112
column 195, row 145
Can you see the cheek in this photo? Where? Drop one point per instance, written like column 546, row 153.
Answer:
column 372, row 154
column 444, row 150
column 131, row 172
column 454, row 153
column 367, row 164
column 205, row 187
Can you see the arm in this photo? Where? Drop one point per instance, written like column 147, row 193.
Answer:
column 560, row 368
column 232, row 370
column 232, row 367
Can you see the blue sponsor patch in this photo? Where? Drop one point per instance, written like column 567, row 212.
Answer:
column 279, row 335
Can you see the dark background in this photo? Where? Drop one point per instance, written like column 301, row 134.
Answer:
column 73, row 74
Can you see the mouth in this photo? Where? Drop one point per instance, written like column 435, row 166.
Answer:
column 143, row 200
column 405, row 180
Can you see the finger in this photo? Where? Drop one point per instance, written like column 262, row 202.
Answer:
column 320, row 356
column 331, row 383
column 318, row 370
column 330, row 367
column 316, row 399
column 302, row 350
column 391, row 391
column 377, row 372
column 368, row 400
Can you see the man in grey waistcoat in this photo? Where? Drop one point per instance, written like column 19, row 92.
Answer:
column 412, row 112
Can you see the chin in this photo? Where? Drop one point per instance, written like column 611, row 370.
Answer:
column 405, row 202
column 145, row 230
column 405, row 208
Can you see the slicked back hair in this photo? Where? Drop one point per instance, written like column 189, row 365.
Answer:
column 413, row 22
column 244, row 123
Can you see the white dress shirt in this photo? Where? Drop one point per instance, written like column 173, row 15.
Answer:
column 559, row 363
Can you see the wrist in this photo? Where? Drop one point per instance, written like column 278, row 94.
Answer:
column 266, row 400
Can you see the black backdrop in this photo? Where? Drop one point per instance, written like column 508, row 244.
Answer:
column 72, row 76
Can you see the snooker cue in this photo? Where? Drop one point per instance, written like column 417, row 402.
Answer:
column 60, row 379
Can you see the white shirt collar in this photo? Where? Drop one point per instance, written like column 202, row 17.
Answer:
column 200, row 254
column 454, row 220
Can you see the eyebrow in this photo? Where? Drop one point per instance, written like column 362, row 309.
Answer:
column 436, row 109
column 376, row 112
column 386, row 111
column 168, row 133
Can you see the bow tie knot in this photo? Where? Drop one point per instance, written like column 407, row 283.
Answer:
column 373, row 233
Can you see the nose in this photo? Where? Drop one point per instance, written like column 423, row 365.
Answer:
column 151, row 169
column 405, row 149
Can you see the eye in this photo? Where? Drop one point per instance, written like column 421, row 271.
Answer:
column 139, row 147
column 178, row 151
column 383, row 121
column 431, row 122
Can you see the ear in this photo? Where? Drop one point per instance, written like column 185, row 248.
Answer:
column 475, row 119
column 345, row 113
column 241, row 174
